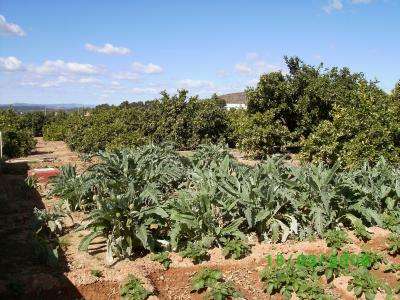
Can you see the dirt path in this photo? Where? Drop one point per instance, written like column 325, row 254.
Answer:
column 49, row 153
column 73, row 279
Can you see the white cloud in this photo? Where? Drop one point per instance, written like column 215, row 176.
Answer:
column 28, row 83
column 253, row 82
column 89, row 80
column 55, row 83
column 242, row 68
column 223, row 73
column 147, row 69
column 107, row 49
column 9, row 29
column 10, row 64
column 59, row 66
column 333, row 5
column 125, row 76
column 251, row 55
column 256, row 68
column 191, row 83
column 261, row 66
column 144, row 91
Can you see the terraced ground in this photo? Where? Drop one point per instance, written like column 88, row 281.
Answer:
column 24, row 276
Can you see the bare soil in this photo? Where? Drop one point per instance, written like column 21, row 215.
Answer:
column 22, row 276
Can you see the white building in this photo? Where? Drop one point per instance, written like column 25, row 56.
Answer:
column 235, row 105
column 235, row 100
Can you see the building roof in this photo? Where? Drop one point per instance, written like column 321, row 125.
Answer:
column 234, row 98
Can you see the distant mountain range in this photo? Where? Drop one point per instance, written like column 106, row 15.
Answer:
column 233, row 98
column 27, row 107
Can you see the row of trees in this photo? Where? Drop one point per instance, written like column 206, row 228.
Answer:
column 329, row 114
column 324, row 114
column 19, row 129
column 17, row 136
column 183, row 121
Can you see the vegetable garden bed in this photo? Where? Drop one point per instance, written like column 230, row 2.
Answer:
column 142, row 172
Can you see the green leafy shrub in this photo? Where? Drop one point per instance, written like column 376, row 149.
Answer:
column 362, row 129
column 222, row 291
column 261, row 134
column 96, row 273
column 125, row 223
column 290, row 280
column 331, row 270
column 162, row 258
column 196, row 252
column 36, row 120
column 235, row 248
column 17, row 137
column 76, row 191
column 336, row 238
column 131, row 186
column 49, row 220
column 207, row 153
column 376, row 258
column 311, row 290
column 393, row 243
column 397, row 288
column 361, row 232
column 183, row 121
column 211, row 200
column 364, row 283
column 218, row 289
column 199, row 212
column 205, row 278
column 392, row 268
column 133, row 289
column 30, row 183
column 391, row 221
column 56, row 131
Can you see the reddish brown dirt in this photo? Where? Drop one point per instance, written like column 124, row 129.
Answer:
column 73, row 279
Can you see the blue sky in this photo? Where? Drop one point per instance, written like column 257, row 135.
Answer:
column 94, row 52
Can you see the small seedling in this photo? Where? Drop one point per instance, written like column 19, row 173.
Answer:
column 51, row 220
column 64, row 243
column 376, row 258
column 96, row 273
column 283, row 280
column 235, row 248
column 30, row 182
column 133, row 289
column 397, row 288
column 196, row 252
column 162, row 258
column 392, row 268
column 336, row 238
column 205, row 278
column 330, row 270
column 222, row 291
column 360, row 231
column 393, row 243
column 212, row 280
column 391, row 221
column 311, row 290
column 364, row 283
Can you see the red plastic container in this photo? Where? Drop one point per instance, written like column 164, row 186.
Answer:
column 43, row 174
